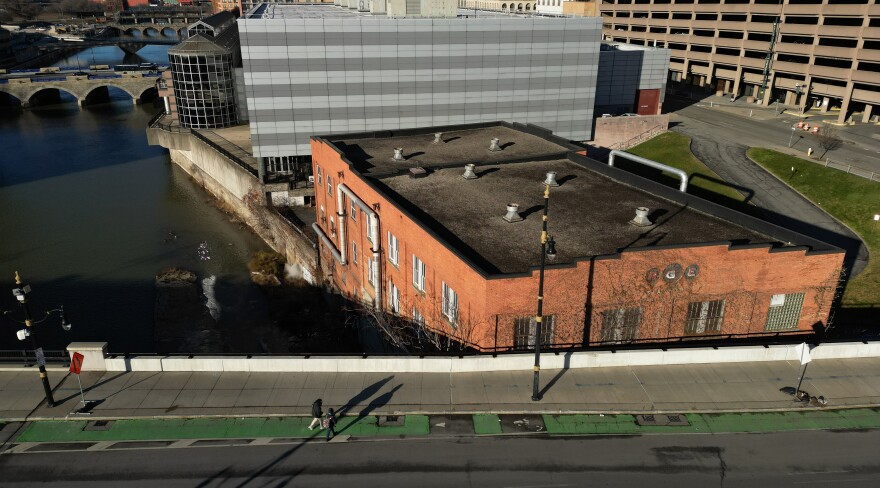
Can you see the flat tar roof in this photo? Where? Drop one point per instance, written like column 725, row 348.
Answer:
column 374, row 155
column 589, row 214
column 330, row 11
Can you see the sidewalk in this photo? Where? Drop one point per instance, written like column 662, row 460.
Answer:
column 731, row 387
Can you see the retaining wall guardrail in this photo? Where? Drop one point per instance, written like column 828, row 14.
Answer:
column 228, row 155
column 484, row 363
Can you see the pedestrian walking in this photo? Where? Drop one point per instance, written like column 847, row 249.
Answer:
column 329, row 423
column 317, row 413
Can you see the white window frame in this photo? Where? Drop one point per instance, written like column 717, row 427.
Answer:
column 449, row 305
column 354, row 211
column 368, row 221
column 393, row 249
column 320, row 175
column 393, row 298
column 417, row 317
column 418, row 280
column 330, row 186
column 371, row 272
column 354, row 252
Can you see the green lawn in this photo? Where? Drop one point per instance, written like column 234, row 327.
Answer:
column 850, row 199
column 673, row 149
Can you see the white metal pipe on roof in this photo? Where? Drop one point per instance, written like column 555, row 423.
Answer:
column 654, row 164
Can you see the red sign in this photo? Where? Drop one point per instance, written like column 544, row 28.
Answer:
column 76, row 363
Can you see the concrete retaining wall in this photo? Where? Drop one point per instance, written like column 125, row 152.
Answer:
column 229, row 183
column 516, row 362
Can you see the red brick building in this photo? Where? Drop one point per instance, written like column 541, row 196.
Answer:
column 411, row 235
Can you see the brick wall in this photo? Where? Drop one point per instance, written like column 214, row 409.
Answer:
column 575, row 294
column 615, row 130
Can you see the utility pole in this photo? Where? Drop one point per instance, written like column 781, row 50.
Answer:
column 539, row 329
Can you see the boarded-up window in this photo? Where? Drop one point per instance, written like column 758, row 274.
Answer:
column 705, row 317
column 621, row 324
column 524, row 332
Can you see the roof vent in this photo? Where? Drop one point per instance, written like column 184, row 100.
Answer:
column 512, row 213
column 469, row 172
column 398, row 154
column 438, row 138
column 641, row 218
column 550, row 180
column 494, row 147
column 417, row 172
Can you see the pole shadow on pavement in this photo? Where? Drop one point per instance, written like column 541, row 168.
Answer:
column 565, row 367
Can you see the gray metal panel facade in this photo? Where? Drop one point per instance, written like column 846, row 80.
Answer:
column 336, row 75
column 623, row 72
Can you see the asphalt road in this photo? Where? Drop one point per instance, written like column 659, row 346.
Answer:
column 820, row 458
column 721, row 140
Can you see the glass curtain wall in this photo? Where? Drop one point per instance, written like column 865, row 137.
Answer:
column 204, row 89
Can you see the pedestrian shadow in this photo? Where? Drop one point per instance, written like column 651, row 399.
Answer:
column 378, row 402
column 362, row 396
column 566, row 365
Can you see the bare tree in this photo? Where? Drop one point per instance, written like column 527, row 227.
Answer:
column 255, row 202
column 25, row 9
column 829, row 139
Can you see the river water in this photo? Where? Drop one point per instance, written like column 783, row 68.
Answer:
column 90, row 213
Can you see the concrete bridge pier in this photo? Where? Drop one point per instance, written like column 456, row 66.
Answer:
column 131, row 47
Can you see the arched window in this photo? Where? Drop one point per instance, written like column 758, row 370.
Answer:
column 519, row 7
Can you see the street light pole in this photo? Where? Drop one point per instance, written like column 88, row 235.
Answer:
column 536, row 394
column 791, row 138
column 21, row 294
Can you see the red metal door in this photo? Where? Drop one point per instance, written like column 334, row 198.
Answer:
column 648, row 102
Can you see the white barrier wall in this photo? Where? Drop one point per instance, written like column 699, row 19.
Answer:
column 511, row 362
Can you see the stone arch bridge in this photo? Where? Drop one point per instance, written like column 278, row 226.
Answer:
column 84, row 88
column 168, row 30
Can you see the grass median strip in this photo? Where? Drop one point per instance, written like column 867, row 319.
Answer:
column 225, row 428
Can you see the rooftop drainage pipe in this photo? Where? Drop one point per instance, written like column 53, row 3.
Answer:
column 654, row 164
column 327, row 242
column 374, row 233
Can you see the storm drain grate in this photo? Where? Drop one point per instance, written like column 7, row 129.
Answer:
column 99, row 425
column 666, row 419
